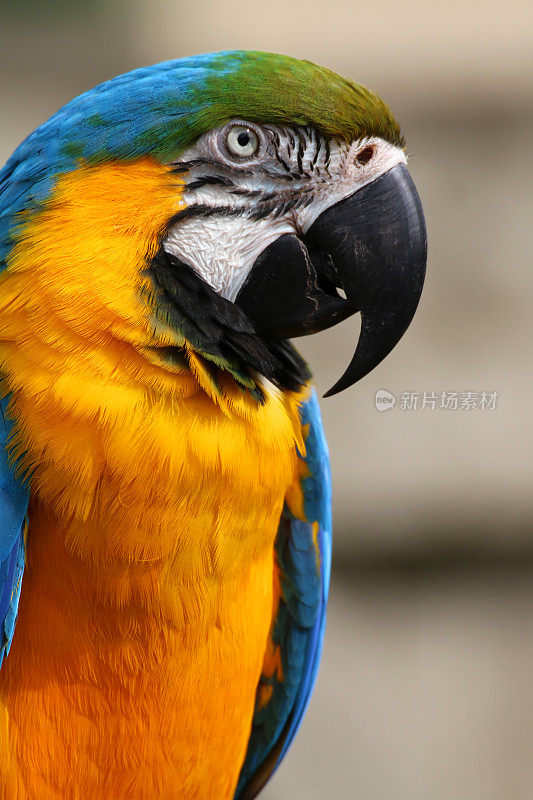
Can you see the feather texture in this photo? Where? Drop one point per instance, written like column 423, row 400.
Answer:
column 219, row 331
column 147, row 595
column 303, row 557
column 14, row 497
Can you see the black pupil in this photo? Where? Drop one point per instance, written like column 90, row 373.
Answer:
column 243, row 138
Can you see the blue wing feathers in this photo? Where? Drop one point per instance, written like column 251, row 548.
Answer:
column 11, row 594
column 14, row 498
column 303, row 555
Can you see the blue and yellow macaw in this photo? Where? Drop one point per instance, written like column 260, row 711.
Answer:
column 165, row 529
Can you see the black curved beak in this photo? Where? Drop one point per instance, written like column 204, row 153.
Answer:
column 371, row 245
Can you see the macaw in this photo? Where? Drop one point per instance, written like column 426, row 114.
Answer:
column 165, row 525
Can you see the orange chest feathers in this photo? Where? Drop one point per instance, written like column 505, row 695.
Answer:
column 148, row 591
column 145, row 609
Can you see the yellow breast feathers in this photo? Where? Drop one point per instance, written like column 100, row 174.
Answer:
column 155, row 503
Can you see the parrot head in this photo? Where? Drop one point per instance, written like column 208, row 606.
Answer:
column 210, row 208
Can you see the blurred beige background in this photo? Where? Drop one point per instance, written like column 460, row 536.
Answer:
column 426, row 691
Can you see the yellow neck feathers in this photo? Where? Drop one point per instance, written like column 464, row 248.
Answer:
column 98, row 420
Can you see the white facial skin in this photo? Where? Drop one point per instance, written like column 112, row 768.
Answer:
column 246, row 185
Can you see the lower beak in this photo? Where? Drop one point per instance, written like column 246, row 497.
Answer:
column 371, row 245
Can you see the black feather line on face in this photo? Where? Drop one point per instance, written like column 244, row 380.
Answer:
column 219, row 331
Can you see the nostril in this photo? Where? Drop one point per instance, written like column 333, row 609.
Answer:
column 364, row 155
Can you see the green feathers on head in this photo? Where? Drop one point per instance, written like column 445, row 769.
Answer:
column 266, row 87
column 163, row 109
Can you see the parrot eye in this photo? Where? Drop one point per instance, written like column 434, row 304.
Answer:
column 242, row 141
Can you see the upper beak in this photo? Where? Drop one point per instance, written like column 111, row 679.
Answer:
column 373, row 246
